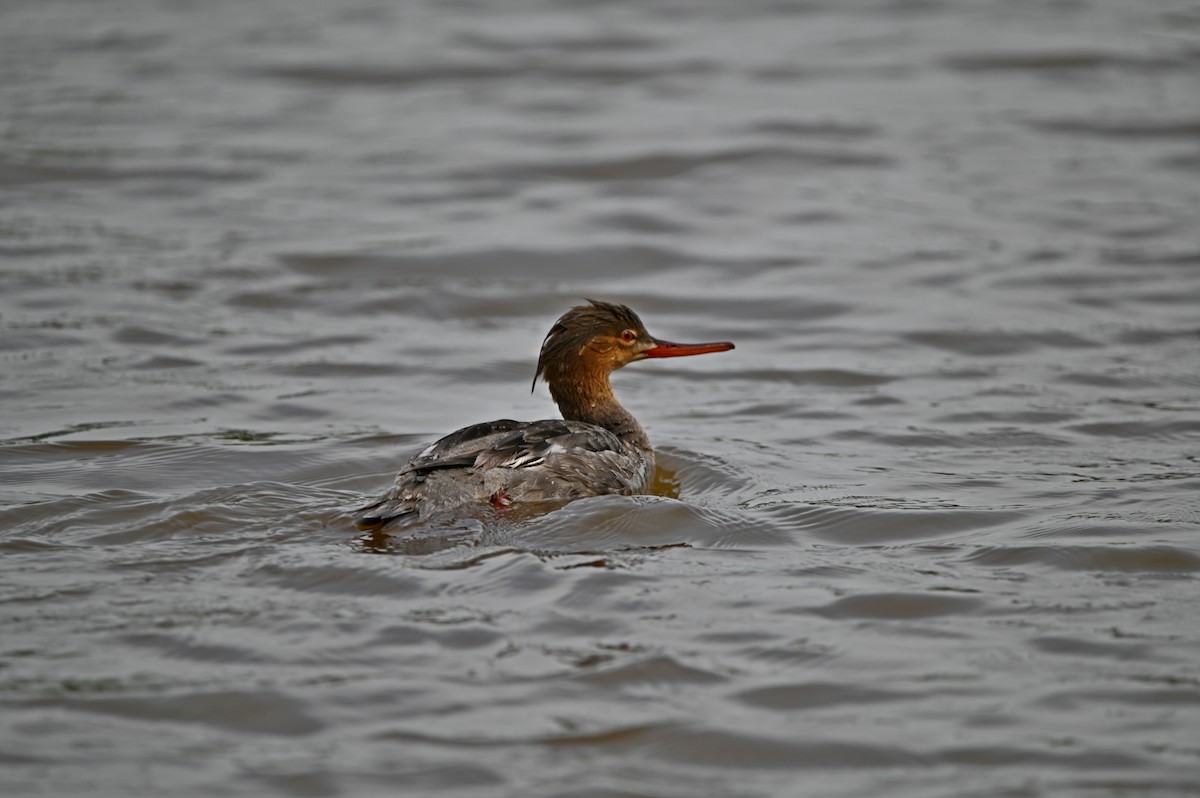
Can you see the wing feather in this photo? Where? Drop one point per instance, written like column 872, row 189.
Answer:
column 459, row 448
column 533, row 443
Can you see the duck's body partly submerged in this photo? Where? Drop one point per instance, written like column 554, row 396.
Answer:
column 597, row 448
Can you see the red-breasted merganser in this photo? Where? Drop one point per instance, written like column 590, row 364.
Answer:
column 597, row 448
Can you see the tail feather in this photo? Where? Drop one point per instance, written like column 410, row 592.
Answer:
column 385, row 515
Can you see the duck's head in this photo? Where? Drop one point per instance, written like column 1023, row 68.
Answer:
column 591, row 341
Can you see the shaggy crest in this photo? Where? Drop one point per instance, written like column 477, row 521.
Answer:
column 579, row 325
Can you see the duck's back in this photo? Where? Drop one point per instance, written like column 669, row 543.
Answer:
column 507, row 461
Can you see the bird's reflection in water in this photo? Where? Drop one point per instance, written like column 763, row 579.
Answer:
column 665, row 482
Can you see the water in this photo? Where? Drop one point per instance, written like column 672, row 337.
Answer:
column 931, row 530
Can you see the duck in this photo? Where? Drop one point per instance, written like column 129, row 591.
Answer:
column 596, row 448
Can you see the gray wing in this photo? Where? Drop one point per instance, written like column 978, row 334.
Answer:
column 460, row 448
column 510, row 444
column 563, row 460
column 546, row 442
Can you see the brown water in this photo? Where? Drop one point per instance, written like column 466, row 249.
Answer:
column 931, row 530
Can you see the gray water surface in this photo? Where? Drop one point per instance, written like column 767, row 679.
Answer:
column 931, row 530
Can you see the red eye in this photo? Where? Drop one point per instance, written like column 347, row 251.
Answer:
column 629, row 336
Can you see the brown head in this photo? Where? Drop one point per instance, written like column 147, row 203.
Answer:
column 591, row 341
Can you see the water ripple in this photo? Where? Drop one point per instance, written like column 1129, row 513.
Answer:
column 932, row 524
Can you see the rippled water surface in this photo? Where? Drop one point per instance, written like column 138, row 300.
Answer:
column 931, row 530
